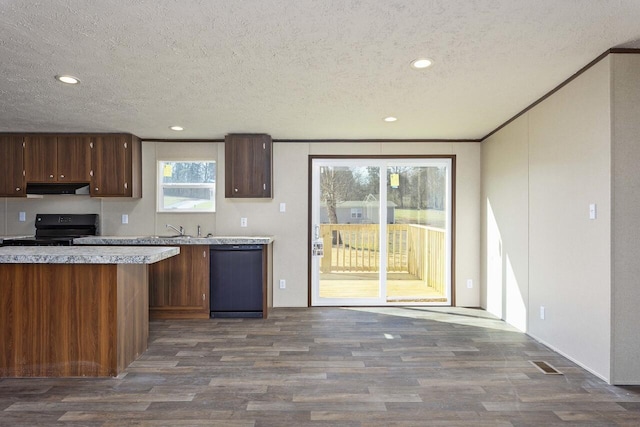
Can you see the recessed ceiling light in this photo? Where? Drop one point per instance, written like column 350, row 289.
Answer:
column 390, row 119
column 176, row 128
column 421, row 63
column 70, row 80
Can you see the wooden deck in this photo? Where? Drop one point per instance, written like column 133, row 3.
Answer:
column 401, row 287
column 415, row 262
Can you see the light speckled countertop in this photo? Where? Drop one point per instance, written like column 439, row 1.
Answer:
column 85, row 254
column 163, row 241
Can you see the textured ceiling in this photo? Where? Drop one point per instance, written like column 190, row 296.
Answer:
column 303, row 69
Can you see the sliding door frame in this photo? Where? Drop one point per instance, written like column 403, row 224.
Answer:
column 452, row 265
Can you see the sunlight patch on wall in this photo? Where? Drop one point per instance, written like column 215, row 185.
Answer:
column 516, row 311
column 494, row 264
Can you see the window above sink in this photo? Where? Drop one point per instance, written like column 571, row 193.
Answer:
column 186, row 186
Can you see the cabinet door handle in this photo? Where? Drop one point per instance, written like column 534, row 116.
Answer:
column 97, row 189
column 61, row 176
column 203, row 297
column 126, row 185
column 91, row 173
column 204, row 254
column 236, row 190
column 17, row 188
column 50, row 176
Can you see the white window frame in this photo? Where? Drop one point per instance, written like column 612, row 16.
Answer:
column 356, row 213
column 161, row 186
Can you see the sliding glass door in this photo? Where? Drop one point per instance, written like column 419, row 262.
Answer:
column 381, row 231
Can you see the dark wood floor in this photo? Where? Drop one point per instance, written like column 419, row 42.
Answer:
column 330, row 367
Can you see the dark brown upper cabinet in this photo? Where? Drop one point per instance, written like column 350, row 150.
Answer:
column 74, row 158
column 40, row 158
column 116, row 166
column 50, row 158
column 110, row 163
column 248, row 163
column 12, row 182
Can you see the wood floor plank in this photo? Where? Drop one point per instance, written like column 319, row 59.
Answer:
column 330, row 367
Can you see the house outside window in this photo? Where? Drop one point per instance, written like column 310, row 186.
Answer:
column 356, row 213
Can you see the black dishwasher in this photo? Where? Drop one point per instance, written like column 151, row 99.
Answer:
column 236, row 280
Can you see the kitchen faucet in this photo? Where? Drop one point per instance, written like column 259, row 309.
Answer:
column 181, row 230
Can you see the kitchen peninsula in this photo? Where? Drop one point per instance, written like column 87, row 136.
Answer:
column 72, row 311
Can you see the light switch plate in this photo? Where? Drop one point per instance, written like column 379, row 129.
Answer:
column 283, row 207
column 125, row 219
column 593, row 211
column 243, row 222
column 22, row 216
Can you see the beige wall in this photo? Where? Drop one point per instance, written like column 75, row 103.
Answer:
column 47, row 204
column 505, row 223
column 626, row 212
column 289, row 229
column 540, row 174
column 569, row 254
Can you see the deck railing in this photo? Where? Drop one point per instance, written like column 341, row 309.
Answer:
column 415, row 249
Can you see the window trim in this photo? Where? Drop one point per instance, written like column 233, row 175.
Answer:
column 160, row 186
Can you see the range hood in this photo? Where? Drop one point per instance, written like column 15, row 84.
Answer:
column 58, row 188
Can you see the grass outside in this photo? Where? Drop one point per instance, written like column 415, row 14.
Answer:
column 429, row 217
column 172, row 202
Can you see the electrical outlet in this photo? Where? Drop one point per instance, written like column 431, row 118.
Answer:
column 283, row 284
column 469, row 283
column 243, row 222
column 542, row 312
column 125, row 219
column 22, row 216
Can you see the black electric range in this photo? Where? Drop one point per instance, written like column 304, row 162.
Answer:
column 59, row 230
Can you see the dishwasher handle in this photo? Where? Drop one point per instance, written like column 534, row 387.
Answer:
column 236, row 247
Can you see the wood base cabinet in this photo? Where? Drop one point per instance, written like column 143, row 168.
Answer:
column 72, row 320
column 179, row 286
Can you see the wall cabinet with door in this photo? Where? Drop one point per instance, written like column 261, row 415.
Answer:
column 110, row 163
column 179, row 286
column 116, row 166
column 12, row 182
column 50, row 158
column 248, row 163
